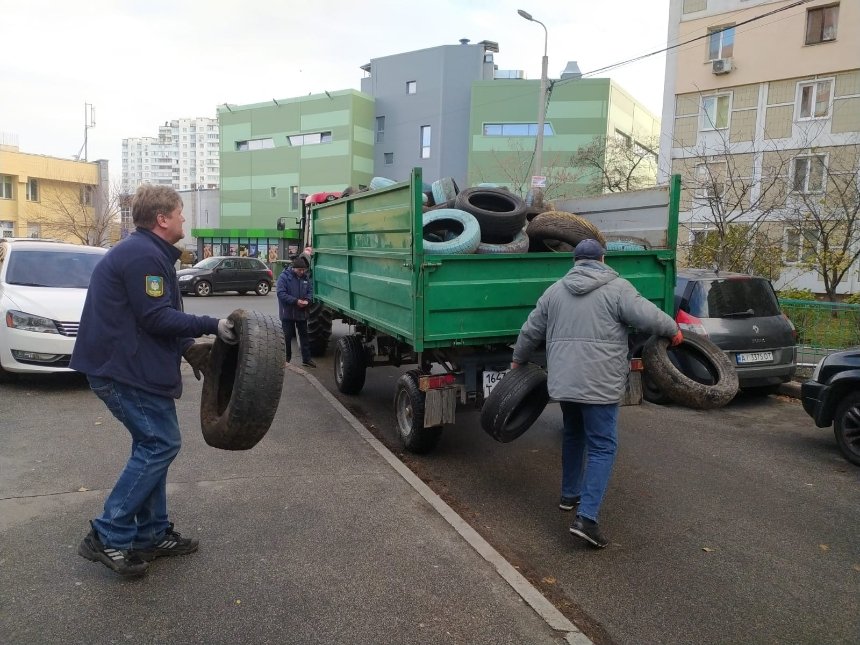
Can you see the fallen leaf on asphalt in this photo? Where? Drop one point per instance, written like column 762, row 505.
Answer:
column 856, row 567
column 83, row 489
column 707, row 549
column 549, row 580
column 238, row 602
column 99, row 422
column 823, row 547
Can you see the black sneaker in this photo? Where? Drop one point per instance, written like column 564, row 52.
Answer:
column 309, row 364
column 568, row 503
column 124, row 561
column 171, row 544
column 589, row 531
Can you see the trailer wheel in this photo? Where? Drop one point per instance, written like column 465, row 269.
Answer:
column 547, row 230
column 319, row 328
column 458, row 229
column 519, row 245
column 515, row 403
column 409, row 412
column 500, row 213
column 718, row 389
column 350, row 366
column 242, row 383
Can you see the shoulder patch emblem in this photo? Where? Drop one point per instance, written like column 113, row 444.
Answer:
column 154, row 286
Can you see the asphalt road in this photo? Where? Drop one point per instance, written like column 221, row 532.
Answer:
column 734, row 525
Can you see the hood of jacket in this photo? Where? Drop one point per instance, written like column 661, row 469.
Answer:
column 588, row 275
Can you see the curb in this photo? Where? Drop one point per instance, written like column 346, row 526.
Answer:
column 528, row 592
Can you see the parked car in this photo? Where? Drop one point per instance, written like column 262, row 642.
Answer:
column 43, row 285
column 740, row 314
column 832, row 397
column 226, row 274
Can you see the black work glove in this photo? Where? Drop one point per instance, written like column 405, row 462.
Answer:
column 197, row 356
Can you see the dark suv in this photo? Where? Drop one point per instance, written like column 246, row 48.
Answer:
column 226, row 274
column 740, row 314
column 832, row 396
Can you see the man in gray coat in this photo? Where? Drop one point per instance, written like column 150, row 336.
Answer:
column 584, row 318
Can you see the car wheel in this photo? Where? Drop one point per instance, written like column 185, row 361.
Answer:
column 263, row 287
column 846, row 427
column 242, row 383
column 350, row 367
column 409, row 413
column 203, row 289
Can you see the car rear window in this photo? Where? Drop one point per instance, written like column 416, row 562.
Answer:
column 732, row 297
column 64, row 269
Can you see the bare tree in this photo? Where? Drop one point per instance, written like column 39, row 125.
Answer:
column 614, row 164
column 822, row 213
column 89, row 215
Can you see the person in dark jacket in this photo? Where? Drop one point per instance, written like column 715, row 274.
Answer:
column 295, row 293
column 132, row 337
column 584, row 319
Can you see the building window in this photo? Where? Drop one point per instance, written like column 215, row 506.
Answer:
column 721, row 42
column 624, row 139
column 273, row 192
column 715, row 111
column 251, row 144
column 515, row 130
column 821, row 24
column 411, row 87
column 380, row 129
column 5, row 187
column 710, row 181
column 32, row 190
column 87, row 195
column 294, row 198
column 813, row 99
column 388, row 158
column 309, row 139
column 807, row 174
column 34, row 231
column 800, row 244
column 7, row 228
column 425, row 141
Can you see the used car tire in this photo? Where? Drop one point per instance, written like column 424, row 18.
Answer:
column 203, row 289
column 651, row 392
column 846, row 427
column 243, row 382
column 409, row 414
column 520, row 244
column 560, row 226
column 515, row 403
column 444, row 190
column 500, row 213
column 467, row 233
column 679, row 387
column 350, row 366
column 319, row 328
column 263, row 288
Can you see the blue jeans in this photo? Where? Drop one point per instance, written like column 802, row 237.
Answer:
column 290, row 329
column 135, row 513
column 588, row 449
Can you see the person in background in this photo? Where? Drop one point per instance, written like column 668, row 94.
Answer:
column 132, row 337
column 584, row 318
column 295, row 292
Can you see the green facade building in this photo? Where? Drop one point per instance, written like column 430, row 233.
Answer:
column 579, row 111
column 273, row 152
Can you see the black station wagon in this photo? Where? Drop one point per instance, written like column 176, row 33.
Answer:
column 226, row 274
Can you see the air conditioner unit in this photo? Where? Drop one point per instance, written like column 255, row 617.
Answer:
column 722, row 65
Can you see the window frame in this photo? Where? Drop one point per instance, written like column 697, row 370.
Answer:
column 822, row 10
column 425, row 139
column 412, row 87
column 705, row 196
column 798, row 105
column 793, row 176
column 704, row 122
column 380, row 129
column 388, row 158
column 6, row 187
column 723, row 32
column 803, row 248
column 510, row 129
column 32, row 189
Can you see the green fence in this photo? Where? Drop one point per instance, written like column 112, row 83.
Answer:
column 822, row 327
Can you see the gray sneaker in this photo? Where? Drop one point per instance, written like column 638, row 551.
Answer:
column 124, row 561
column 589, row 531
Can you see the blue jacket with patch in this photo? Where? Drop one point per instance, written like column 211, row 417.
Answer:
column 133, row 329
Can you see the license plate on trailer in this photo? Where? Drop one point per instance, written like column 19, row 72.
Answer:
column 491, row 379
column 754, row 357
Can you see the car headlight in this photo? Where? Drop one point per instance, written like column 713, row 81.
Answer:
column 29, row 322
column 185, row 278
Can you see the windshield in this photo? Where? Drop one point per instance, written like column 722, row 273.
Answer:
column 208, row 263
column 63, row 269
column 733, row 297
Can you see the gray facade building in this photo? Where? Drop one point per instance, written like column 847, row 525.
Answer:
column 423, row 103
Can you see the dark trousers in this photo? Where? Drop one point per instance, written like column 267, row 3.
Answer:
column 290, row 329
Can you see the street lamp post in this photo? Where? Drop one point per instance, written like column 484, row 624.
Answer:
column 538, row 180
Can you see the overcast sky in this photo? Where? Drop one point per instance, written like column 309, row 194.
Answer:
column 144, row 62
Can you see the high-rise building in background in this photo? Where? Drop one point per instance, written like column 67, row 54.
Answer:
column 184, row 155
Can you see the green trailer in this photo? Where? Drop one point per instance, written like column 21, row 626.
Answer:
column 455, row 317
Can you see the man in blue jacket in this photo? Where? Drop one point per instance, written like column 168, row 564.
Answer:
column 584, row 319
column 132, row 337
column 295, row 292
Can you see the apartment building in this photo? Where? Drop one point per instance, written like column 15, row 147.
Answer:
column 184, row 155
column 761, row 118
column 42, row 196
